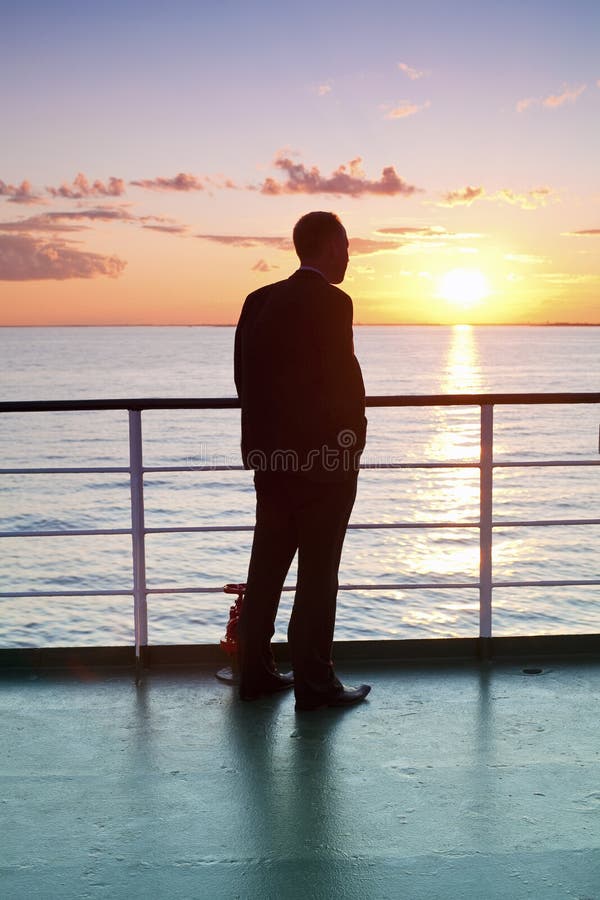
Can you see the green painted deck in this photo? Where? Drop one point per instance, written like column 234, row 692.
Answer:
column 454, row 780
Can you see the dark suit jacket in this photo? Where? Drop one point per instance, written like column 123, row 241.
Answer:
column 300, row 385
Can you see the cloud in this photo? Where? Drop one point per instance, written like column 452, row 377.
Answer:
column 246, row 240
column 347, row 180
column 462, row 197
column 428, row 233
column 73, row 220
column 44, row 222
column 407, row 109
column 358, row 246
column 324, row 89
column 584, row 232
column 413, row 74
column 569, row 95
column 26, row 258
column 181, row 182
column 528, row 200
column 81, row 187
column 167, row 229
column 99, row 213
column 263, row 266
column 525, row 103
column 21, row 193
column 63, row 221
column 372, row 246
column 218, row 181
column 552, row 101
column 414, row 231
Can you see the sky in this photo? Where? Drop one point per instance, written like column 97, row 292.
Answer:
column 154, row 157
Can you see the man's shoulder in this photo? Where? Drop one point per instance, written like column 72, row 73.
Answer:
column 319, row 286
column 264, row 291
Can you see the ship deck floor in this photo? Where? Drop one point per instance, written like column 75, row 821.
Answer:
column 460, row 780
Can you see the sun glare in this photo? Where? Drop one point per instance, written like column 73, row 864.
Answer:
column 464, row 287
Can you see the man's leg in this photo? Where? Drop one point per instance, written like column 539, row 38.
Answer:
column 322, row 523
column 273, row 548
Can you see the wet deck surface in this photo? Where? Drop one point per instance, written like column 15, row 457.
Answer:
column 449, row 782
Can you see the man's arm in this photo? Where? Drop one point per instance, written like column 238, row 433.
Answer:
column 237, row 348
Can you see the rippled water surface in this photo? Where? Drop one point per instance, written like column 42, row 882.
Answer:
column 73, row 363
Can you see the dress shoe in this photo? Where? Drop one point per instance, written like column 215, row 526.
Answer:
column 271, row 683
column 347, row 696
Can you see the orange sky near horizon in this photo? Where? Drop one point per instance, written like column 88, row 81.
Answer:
column 161, row 185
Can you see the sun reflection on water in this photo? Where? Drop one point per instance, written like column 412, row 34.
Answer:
column 453, row 496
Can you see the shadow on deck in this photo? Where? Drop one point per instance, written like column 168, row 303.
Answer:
column 453, row 780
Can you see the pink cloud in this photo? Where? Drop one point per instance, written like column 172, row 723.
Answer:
column 21, row 193
column 427, row 232
column 324, row 89
column 26, row 258
column 569, row 95
column 242, row 240
column 100, row 213
column 525, row 103
column 584, row 232
column 413, row 74
column 552, row 101
column 167, row 229
column 528, row 200
column 263, row 266
column 44, row 222
column 73, row 220
column 181, row 182
column 348, row 180
column 407, row 109
column 414, row 231
column 462, row 197
column 81, row 188
column 371, row 246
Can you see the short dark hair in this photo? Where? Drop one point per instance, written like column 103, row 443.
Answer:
column 313, row 230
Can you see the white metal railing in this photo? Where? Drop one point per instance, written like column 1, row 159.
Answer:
column 138, row 531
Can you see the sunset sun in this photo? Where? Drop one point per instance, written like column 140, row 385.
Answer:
column 464, row 287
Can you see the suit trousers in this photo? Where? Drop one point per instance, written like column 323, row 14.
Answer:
column 293, row 514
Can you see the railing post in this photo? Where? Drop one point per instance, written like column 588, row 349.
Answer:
column 138, row 534
column 486, row 472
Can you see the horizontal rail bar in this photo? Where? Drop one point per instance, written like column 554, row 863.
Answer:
column 521, row 464
column 518, row 464
column 191, row 529
column 500, row 399
column 516, row 523
column 559, row 583
column 406, row 586
column 121, row 470
column 401, row 586
column 125, row 592
column 358, row 525
column 66, row 533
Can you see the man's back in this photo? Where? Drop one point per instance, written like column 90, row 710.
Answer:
column 299, row 382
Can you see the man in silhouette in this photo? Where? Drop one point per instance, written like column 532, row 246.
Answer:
column 303, row 430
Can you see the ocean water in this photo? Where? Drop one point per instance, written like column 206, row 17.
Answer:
column 73, row 363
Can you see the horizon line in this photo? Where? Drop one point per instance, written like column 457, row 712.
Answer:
column 355, row 325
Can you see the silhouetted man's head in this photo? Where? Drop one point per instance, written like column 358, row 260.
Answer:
column 321, row 241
